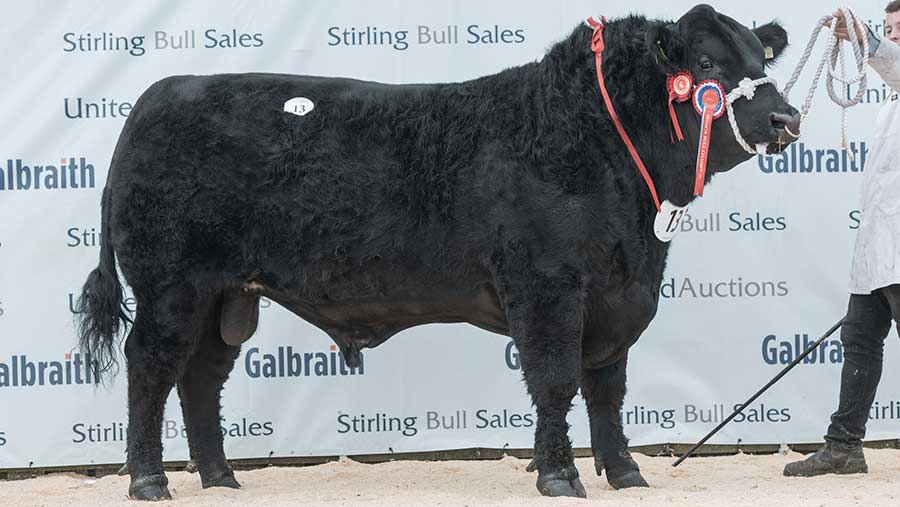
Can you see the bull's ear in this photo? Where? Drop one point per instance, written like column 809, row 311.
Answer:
column 666, row 47
column 774, row 40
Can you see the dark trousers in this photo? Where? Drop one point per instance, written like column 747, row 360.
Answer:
column 865, row 327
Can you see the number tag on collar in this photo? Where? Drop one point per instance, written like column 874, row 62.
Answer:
column 667, row 221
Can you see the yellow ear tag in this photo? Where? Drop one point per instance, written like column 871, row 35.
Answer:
column 770, row 53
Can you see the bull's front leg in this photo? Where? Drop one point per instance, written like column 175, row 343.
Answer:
column 547, row 332
column 603, row 390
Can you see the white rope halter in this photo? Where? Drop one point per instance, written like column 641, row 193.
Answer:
column 833, row 53
column 746, row 88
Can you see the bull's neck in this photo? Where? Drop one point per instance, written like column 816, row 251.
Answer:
column 637, row 90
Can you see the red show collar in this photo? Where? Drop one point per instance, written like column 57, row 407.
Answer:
column 597, row 47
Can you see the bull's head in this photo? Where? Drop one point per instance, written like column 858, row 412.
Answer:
column 712, row 46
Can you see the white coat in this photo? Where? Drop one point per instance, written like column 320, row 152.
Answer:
column 876, row 256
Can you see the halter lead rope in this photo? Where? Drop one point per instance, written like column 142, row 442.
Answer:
column 834, row 53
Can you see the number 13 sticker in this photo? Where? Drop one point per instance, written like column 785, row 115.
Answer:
column 667, row 221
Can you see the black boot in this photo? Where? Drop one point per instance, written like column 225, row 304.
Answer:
column 831, row 459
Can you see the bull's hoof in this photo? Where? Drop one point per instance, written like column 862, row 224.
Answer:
column 225, row 481
column 632, row 479
column 218, row 476
column 621, row 472
column 150, row 488
column 563, row 482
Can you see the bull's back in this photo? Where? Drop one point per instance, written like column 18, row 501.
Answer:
column 239, row 120
column 213, row 169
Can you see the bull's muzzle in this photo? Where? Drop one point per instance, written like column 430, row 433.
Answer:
column 787, row 123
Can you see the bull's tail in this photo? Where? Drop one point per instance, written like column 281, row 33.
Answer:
column 100, row 310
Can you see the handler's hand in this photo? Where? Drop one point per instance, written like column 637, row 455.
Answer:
column 840, row 31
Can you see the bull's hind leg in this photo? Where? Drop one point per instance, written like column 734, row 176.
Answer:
column 604, row 392
column 200, row 391
column 547, row 333
column 157, row 350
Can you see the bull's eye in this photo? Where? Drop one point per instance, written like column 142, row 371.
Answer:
column 706, row 65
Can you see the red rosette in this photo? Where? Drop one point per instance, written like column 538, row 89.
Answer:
column 679, row 86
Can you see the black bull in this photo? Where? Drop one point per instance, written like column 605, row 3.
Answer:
column 508, row 202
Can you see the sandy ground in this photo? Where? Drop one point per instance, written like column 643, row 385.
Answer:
column 733, row 480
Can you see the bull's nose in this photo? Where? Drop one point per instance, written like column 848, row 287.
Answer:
column 789, row 123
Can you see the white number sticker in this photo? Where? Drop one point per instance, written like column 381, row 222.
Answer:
column 667, row 221
column 299, row 106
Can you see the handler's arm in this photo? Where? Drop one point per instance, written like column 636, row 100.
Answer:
column 885, row 59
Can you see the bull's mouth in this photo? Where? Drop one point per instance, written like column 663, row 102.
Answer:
column 778, row 141
column 775, row 148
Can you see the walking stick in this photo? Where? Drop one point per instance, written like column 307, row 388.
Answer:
column 758, row 393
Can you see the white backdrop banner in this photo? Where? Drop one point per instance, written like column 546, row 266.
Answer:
column 759, row 269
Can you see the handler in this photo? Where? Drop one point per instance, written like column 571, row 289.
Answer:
column 875, row 273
